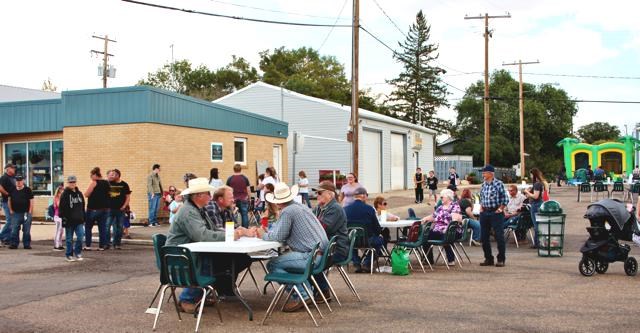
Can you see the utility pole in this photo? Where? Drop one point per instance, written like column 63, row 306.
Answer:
column 487, row 34
column 105, row 57
column 355, row 118
column 521, row 107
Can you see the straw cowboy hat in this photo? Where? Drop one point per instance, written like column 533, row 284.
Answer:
column 282, row 193
column 198, row 185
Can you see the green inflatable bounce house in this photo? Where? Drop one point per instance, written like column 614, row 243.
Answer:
column 616, row 157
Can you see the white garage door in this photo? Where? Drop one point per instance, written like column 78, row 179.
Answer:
column 397, row 161
column 371, row 177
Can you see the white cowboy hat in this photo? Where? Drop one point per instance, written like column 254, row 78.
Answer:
column 198, row 185
column 282, row 193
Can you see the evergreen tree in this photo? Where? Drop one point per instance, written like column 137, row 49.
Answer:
column 419, row 91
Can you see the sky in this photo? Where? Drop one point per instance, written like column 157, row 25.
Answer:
column 571, row 38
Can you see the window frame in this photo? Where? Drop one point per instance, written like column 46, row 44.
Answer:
column 28, row 163
column 244, row 150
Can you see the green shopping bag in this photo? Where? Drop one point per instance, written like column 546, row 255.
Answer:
column 399, row 261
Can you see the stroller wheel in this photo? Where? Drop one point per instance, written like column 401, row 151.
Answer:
column 587, row 266
column 601, row 266
column 631, row 266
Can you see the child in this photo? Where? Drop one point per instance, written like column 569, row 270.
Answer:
column 418, row 181
column 175, row 206
column 72, row 212
column 432, row 184
column 303, row 184
column 57, row 237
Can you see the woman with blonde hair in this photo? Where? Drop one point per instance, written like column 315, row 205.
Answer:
column 57, row 238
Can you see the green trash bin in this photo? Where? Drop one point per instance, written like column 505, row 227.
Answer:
column 550, row 221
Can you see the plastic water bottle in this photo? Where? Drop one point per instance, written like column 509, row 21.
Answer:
column 383, row 216
column 228, row 231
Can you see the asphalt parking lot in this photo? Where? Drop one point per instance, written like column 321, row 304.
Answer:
column 109, row 292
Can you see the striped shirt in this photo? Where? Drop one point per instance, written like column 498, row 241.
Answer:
column 493, row 195
column 298, row 228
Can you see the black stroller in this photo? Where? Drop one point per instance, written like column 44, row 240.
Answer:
column 603, row 247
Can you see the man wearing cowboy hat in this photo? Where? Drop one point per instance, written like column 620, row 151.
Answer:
column 332, row 217
column 191, row 224
column 300, row 230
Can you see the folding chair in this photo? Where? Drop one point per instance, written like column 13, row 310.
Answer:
column 179, row 271
column 466, row 236
column 325, row 263
column 345, row 263
column 158, row 242
column 362, row 243
column 291, row 280
column 449, row 239
column 617, row 187
column 415, row 246
column 585, row 188
column 599, row 187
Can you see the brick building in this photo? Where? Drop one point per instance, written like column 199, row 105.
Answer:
column 130, row 129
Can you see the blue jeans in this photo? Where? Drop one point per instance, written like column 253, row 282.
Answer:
column 535, row 206
column 511, row 220
column 291, row 262
column 69, row 231
column 116, row 221
column 305, row 199
column 488, row 221
column 21, row 220
column 154, row 204
column 377, row 242
column 5, row 234
column 243, row 206
column 99, row 216
column 475, row 226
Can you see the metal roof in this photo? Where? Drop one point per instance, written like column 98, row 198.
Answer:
column 13, row 94
column 138, row 104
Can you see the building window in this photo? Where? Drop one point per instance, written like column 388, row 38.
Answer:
column 240, row 150
column 41, row 164
column 216, row 152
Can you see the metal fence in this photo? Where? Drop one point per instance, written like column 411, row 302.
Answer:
column 463, row 165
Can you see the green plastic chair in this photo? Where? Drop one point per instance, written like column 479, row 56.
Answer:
column 158, row 242
column 292, row 279
column 345, row 263
column 326, row 261
column 585, row 188
column 362, row 242
column 618, row 186
column 416, row 247
column 178, row 270
column 634, row 189
column 465, row 237
column 449, row 239
column 599, row 187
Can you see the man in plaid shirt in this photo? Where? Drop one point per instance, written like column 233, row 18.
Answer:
column 493, row 200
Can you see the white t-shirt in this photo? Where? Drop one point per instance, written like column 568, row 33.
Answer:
column 301, row 182
column 173, row 205
column 216, row 183
column 265, row 181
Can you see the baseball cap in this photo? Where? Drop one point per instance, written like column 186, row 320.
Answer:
column 360, row 191
column 325, row 185
column 488, row 168
column 19, row 178
column 72, row 179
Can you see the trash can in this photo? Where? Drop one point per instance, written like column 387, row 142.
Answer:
column 550, row 229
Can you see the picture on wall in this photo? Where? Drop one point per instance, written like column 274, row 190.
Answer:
column 216, row 152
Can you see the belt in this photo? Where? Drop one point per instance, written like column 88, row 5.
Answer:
column 489, row 209
column 99, row 210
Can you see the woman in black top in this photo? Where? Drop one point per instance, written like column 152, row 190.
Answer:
column 535, row 195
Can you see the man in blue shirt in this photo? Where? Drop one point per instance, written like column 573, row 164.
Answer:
column 493, row 200
column 360, row 212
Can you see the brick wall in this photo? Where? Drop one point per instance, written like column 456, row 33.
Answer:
column 41, row 202
column 134, row 148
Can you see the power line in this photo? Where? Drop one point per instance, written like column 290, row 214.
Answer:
column 277, row 11
column 390, row 20
column 237, row 17
column 334, row 23
column 588, row 76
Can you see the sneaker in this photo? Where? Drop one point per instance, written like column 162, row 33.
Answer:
column 451, row 263
column 70, row 259
column 58, row 248
column 475, row 243
column 87, row 248
column 500, row 264
column 79, row 257
column 487, row 263
column 27, row 247
column 187, row 307
column 102, row 248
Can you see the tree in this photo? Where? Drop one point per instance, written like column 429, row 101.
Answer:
column 419, row 91
column 304, row 71
column 47, row 85
column 201, row 82
column 598, row 131
column 548, row 118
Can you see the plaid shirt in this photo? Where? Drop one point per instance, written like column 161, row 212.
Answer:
column 219, row 216
column 493, row 195
column 298, row 228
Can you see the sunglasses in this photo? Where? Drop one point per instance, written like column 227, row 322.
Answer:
column 384, row 203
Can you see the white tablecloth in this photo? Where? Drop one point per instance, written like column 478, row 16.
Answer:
column 397, row 224
column 242, row 245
